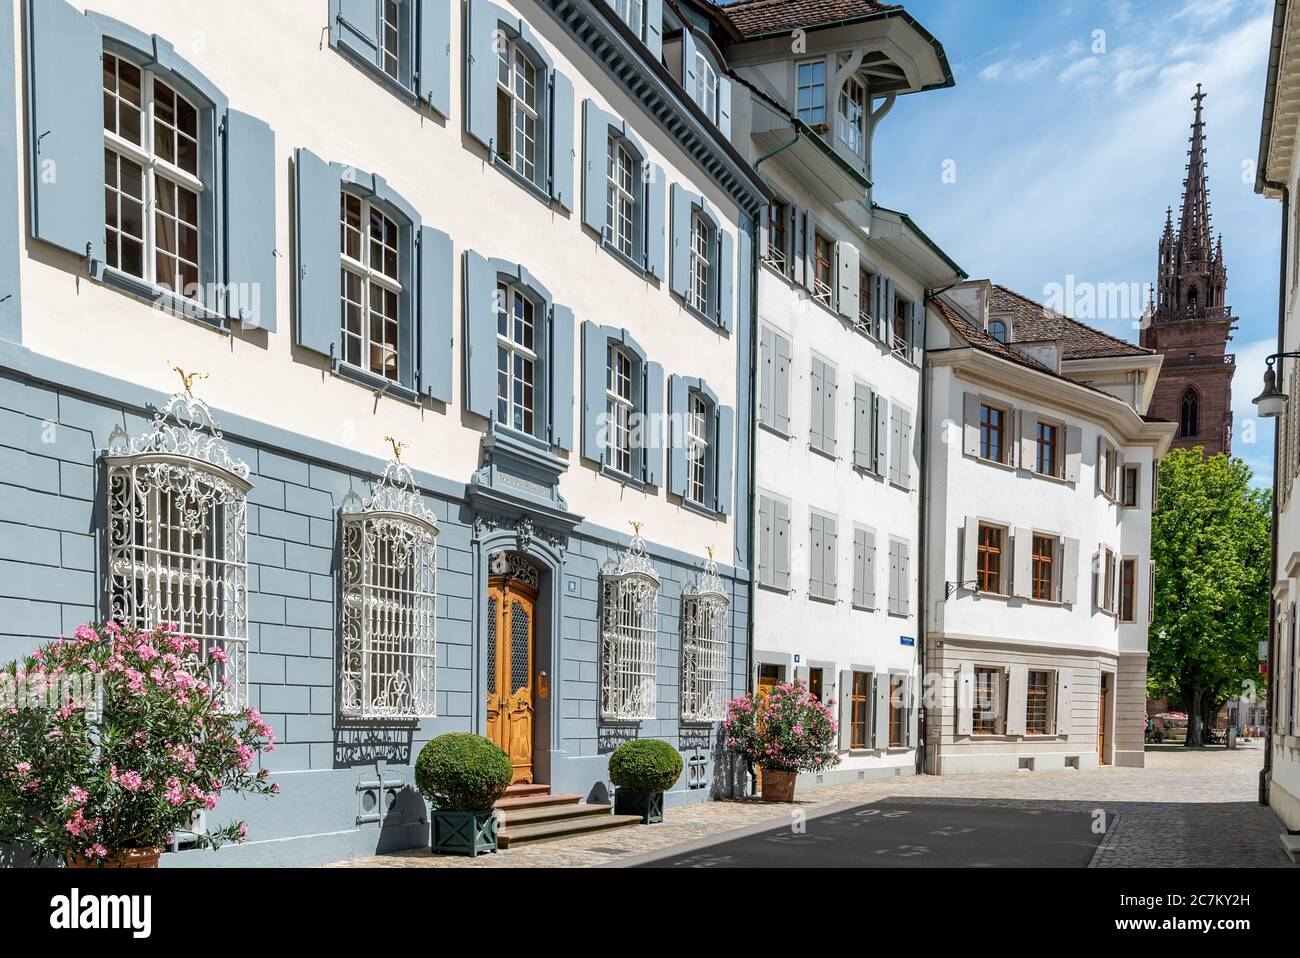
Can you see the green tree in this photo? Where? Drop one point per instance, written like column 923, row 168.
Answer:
column 1210, row 539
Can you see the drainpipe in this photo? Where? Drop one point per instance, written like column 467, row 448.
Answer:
column 1266, row 773
column 752, row 497
column 780, row 149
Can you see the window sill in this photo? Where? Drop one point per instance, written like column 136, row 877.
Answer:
column 824, row 599
column 622, row 478
column 160, row 298
column 899, row 486
column 776, row 589
column 628, row 261
column 541, row 195
column 868, row 471
column 702, row 509
column 862, row 608
column 703, row 317
column 378, row 384
column 1050, row 478
column 776, row 432
column 993, row 462
column 823, row 453
column 396, row 87
column 899, row 615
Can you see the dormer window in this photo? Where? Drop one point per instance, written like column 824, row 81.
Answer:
column 852, row 117
column 810, row 93
column 706, row 85
column 632, row 12
column 998, row 330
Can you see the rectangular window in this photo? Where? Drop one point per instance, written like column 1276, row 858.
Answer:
column 897, row 711
column 902, row 323
column 632, row 12
column 987, row 707
column 991, row 429
column 151, row 163
column 989, row 564
column 1128, row 590
column 1044, row 576
column 1047, row 449
column 706, row 86
column 810, row 93
column 823, row 269
column 778, row 216
column 516, row 359
column 517, row 110
column 371, row 287
column 389, row 38
column 704, row 656
column 619, row 407
column 865, row 280
column 620, row 198
column 860, row 711
column 1130, row 486
column 1108, row 590
column 701, row 263
column 852, row 115
column 1110, row 470
column 815, row 683
column 697, row 444
column 1038, row 703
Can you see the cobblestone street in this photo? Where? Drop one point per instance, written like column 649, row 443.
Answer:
column 1184, row 809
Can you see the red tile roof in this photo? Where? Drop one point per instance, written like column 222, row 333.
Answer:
column 1032, row 321
column 758, row 17
column 981, row 340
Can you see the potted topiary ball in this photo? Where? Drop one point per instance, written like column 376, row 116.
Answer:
column 642, row 770
column 462, row 776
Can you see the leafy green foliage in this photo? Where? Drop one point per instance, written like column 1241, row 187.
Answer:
column 1210, row 539
column 462, row 772
column 645, row 765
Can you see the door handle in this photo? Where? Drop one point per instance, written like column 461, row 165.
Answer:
column 543, row 685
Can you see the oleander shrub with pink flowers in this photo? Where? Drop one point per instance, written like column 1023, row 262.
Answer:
column 82, row 779
column 784, row 728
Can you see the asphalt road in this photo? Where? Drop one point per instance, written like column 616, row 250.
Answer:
column 908, row 835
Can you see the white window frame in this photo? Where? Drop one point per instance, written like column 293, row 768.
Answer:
column 153, row 168
column 629, row 636
column 698, row 417
column 1049, row 723
column 369, row 277
column 632, row 12
column 390, row 37
column 808, row 114
column 620, row 406
column 705, row 608
column 823, row 289
column 181, row 468
column 389, row 568
column 524, row 112
column 702, row 242
column 778, row 257
column 620, row 197
column 706, row 85
column 852, row 130
column 516, row 353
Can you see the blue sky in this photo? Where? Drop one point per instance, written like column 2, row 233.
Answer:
column 1065, row 158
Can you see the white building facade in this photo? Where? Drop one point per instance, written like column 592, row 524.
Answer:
column 842, row 290
column 1039, row 577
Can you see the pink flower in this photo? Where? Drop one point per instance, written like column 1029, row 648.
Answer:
column 97, row 851
column 175, row 791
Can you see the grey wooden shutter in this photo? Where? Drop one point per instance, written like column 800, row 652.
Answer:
column 846, row 268
column 1073, row 452
column 316, row 244
column 481, row 72
column 437, row 269
column 726, row 273
column 1100, row 471
column 895, row 445
column 678, row 396
column 909, row 711
column 654, row 28
column 881, row 461
column 652, row 425
column 881, row 331
column 965, row 694
column 887, row 310
column 830, row 399
column 905, row 447
column 561, row 134
column 831, row 564
column 1017, row 699
column 480, row 297
column 1028, row 440
column 970, row 433
column 656, row 215
column 916, row 324
column 904, row 576
column 65, row 128
column 816, row 557
column 726, row 457
column 688, row 63
column 862, row 425
column 894, row 591
column 1064, row 701
column 354, row 27
column 846, row 710
column 433, row 74
column 817, row 405
column 595, row 159
column 782, row 545
column 869, row 570
column 680, row 279
column 1022, row 558
column 724, row 106
column 809, row 250
column 766, row 375
column 970, row 551
column 766, row 540
column 797, row 225
column 594, row 373
column 250, row 221
column 782, row 391
column 561, row 379
column 859, row 568
column 880, row 734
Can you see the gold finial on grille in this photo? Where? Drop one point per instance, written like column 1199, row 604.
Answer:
column 709, row 550
column 636, row 526
column 397, row 447
column 187, row 379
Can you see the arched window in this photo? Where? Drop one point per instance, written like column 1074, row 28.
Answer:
column 1191, row 297
column 1189, row 417
column 998, row 330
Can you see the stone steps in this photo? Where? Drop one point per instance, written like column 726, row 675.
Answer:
column 532, row 814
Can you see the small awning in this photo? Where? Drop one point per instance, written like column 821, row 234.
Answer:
column 797, row 146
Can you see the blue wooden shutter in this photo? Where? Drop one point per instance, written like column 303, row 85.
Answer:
column 654, row 27
column 480, row 294
column 562, row 136
column 726, row 478
column 433, row 76
column 652, row 435
column 745, row 275
column 354, row 25
column 724, row 106
column 656, row 216
column 480, row 72
column 65, row 127
column 680, row 282
column 437, row 266
column 726, row 280
column 595, row 159
column 250, row 221
column 595, row 348
column 562, row 384
column 678, row 394
column 316, row 246
column 688, row 63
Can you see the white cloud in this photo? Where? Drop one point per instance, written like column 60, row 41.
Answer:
column 994, row 70
column 1080, row 71
column 1206, row 13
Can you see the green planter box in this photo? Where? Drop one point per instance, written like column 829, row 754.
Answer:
column 649, row 805
column 463, row 833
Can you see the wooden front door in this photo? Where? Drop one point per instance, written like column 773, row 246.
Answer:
column 1102, row 719
column 512, row 611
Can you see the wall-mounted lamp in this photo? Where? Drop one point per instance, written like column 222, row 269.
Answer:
column 1270, row 403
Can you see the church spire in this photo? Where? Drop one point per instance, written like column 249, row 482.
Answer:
column 1194, row 226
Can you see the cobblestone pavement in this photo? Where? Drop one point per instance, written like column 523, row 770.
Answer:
column 1186, row 808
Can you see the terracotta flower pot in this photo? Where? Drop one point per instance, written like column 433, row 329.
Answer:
column 778, row 786
column 120, row 858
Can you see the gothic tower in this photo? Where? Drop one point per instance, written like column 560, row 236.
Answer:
column 1190, row 323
